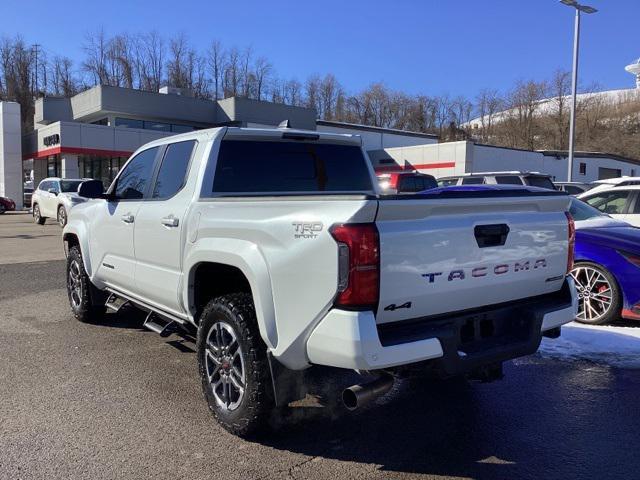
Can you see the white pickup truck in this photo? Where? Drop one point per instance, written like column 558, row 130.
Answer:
column 278, row 248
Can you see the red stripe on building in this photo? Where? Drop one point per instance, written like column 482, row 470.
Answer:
column 424, row 166
column 76, row 151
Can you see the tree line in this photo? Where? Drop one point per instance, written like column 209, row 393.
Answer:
column 537, row 112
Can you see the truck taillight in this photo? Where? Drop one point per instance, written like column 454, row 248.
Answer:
column 358, row 265
column 572, row 241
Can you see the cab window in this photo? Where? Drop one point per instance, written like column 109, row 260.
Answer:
column 173, row 170
column 134, row 179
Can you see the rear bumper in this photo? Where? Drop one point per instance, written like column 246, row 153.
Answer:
column 458, row 343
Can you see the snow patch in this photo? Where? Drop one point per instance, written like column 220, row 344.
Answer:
column 616, row 346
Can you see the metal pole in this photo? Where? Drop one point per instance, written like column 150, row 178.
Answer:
column 574, row 93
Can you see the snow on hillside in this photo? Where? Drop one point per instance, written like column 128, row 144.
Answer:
column 612, row 345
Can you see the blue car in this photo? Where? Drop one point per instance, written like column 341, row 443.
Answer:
column 607, row 266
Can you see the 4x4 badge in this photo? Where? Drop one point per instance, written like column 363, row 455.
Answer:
column 393, row 306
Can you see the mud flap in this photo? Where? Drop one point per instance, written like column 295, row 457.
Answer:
column 288, row 385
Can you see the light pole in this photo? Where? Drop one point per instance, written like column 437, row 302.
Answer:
column 574, row 79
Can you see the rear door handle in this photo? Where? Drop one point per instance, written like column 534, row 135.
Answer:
column 170, row 221
column 128, row 218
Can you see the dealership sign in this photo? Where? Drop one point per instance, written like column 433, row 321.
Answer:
column 51, row 140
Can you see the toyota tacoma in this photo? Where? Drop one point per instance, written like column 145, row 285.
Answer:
column 277, row 247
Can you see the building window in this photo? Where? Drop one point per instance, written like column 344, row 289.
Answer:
column 103, row 121
column 182, row 128
column 162, row 127
column 583, row 168
column 633, row 172
column 129, row 123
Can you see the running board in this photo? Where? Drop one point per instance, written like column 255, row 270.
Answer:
column 161, row 326
column 115, row 302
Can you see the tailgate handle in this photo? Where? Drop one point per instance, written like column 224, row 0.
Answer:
column 491, row 235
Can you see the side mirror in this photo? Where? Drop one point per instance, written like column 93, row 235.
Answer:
column 53, row 191
column 91, row 189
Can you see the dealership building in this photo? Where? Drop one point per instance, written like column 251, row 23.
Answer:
column 91, row 135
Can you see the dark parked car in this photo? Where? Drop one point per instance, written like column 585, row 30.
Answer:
column 6, row 205
column 406, row 182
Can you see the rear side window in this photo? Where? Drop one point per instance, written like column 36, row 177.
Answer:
column 134, row 179
column 407, row 184
column 542, row 182
column 290, row 167
column 508, row 180
column 448, row 182
column 173, row 169
column 472, row 181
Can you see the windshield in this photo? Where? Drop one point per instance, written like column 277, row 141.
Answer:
column 70, row 185
column 581, row 211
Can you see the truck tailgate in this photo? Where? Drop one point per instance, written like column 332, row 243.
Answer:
column 451, row 252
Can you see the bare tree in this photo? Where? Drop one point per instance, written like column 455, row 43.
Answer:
column 488, row 104
column 216, row 60
column 95, row 63
column 262, row 69
column 231, row 74
column 150, row 61
column 560, row 89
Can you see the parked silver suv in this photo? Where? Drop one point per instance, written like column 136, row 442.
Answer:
column 532, row 179
column 54, row 197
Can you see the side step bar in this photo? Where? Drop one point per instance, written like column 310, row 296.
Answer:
column 161, row 326
column 162, row 323
column 115, row 303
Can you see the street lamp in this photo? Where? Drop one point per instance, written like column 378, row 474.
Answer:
column 574, row 81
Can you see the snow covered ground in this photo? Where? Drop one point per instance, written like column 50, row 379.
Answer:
column 612, row 345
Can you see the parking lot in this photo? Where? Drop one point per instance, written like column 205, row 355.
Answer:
column 112, row 400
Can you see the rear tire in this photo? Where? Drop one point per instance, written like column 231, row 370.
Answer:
column 80, row 290
column 37, row 216
column 599, row 296
column 233, row 365
column 62, row 216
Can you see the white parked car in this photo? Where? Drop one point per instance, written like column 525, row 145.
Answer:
column 277, row 247
column 619, row 201
column 54, row 198
column 605, row 184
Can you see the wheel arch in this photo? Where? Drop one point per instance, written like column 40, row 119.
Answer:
column 72, row 236
column 226, row 265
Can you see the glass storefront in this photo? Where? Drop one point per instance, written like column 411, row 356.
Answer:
column 100, row 168
column 54, row 166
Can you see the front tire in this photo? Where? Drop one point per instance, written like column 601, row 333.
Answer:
column 37, row 216
column 62, row 216
column 598, row 294
column 233, row 365
column 80, row 289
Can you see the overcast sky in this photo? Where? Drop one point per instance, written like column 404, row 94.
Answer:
column 428, row 46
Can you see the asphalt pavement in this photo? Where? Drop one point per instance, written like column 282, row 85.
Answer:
column 112, row 400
